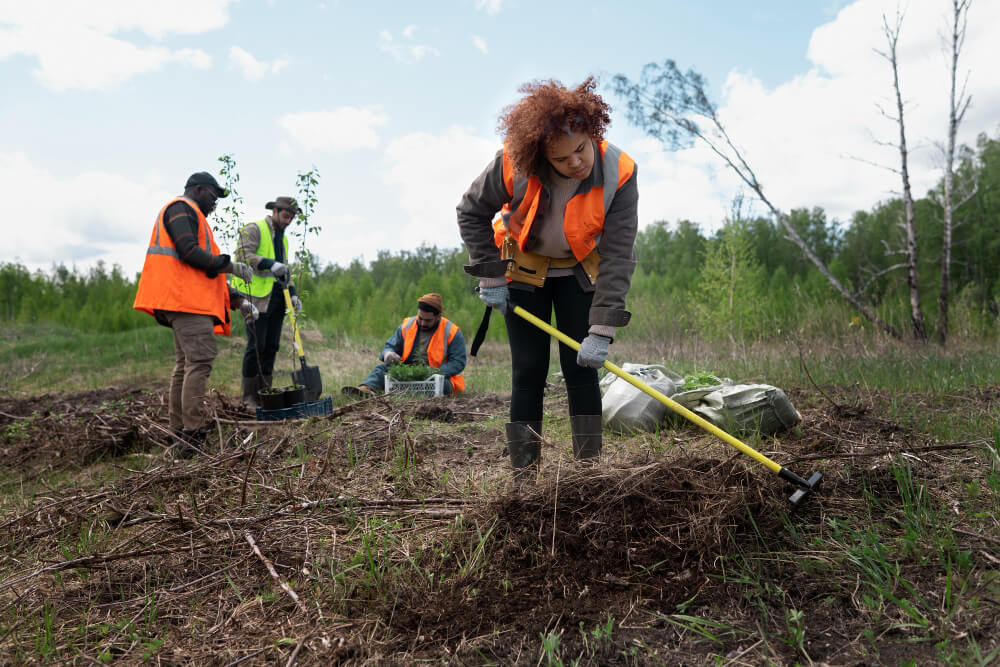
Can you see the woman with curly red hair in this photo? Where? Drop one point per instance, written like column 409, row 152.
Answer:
column 564, row 242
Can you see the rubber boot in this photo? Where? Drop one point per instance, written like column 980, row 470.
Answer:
column 249, row 388
column 525, row 448
column 586, row 436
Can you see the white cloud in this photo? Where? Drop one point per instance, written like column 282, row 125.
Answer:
column 431, row 174
column 480, row 44
column 491, row 7
column 809, row 139
column 253, row 69
column 75, row 43
column 405, row 51
column 342, row 129
column 74, row 221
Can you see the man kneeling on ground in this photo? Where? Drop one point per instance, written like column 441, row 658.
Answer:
column 428, row 339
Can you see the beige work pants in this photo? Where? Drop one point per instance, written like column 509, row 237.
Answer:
column 195, row 350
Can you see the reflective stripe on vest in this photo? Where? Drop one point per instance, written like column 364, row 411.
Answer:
column 437, row 350
column 168, row 283
column 260, row 286
column 583, row 220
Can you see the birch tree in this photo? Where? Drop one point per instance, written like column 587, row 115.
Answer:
column 909, row 223
column 958, row 104
column 672, row 107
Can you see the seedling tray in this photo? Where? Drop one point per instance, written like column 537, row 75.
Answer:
column 324, row 406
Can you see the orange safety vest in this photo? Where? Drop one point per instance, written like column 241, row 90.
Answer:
column 583, row 220
column 167, row 283
column 437, row 350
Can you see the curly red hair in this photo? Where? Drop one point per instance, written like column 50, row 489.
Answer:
column 547, row 111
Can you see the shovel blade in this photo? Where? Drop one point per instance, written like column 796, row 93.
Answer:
column 308, row 376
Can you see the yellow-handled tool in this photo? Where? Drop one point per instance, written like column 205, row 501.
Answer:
column 307, row 376
column 805, row 486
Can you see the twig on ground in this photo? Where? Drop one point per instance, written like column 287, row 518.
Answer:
column 274, row 575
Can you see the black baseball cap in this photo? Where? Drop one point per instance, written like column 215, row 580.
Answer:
column 205, row 178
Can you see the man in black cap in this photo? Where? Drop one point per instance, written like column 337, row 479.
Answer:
column 264, row 247
column 182, row 285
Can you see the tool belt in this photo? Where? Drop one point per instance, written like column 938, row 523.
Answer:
column 531, row 268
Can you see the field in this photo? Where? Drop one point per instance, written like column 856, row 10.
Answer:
column 390, row 531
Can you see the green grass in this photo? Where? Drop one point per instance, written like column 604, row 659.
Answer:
column 873, row 550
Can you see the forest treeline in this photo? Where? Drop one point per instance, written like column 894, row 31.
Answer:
column 744, row 282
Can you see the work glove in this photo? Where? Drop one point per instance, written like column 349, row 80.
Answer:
column 593, row 351
column 279, row 271
column 297, row 304
column 242, row 270
column 250, row 311
column 497, row 298
column 390, row 357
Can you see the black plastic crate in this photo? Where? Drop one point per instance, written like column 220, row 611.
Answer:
column 324, row 406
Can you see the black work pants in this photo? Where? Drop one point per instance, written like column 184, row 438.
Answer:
column 529, row 348
column 264, row 337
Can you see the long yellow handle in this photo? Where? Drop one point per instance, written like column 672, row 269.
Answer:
column 295, row 326
column 662, row 398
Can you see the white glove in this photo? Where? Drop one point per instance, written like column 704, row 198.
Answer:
column 593, row 351
column 297, row 304
column 242, row 270
column 496, row 298
column 250, row 311
column 279, row 271
column 390, row 357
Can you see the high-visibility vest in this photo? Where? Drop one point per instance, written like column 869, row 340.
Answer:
column 168, row 283
column 437, row 347
column 260, row 286
column 583, row 220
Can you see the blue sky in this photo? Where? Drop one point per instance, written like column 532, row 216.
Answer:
column 110, row 105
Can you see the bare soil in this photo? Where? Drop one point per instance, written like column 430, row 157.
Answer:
column 390, row 532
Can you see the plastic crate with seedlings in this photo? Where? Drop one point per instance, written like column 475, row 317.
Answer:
column 414, row 380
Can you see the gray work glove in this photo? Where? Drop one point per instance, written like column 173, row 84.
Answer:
column 497, row 298
column 279, row 271
column 297, row 304
column 250, row 311
column 241, row 270
column 593, row 351
column 390, row 357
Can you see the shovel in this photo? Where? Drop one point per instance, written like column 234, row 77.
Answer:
column 805, row 486
column 307, row 376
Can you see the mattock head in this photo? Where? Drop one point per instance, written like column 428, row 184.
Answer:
column 811, row 485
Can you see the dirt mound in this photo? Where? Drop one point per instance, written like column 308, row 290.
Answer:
column 577, row 546
column 81, row 428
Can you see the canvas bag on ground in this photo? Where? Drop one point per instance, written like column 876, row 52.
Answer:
column 626, row 408
column 747, row 408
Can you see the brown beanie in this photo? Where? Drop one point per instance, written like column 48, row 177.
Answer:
column 432, row 301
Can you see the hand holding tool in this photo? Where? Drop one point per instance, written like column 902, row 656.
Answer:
column 593, row 351
column 279, row 271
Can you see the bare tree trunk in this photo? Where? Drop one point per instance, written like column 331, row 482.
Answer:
column 912, row 274
column 956, row 110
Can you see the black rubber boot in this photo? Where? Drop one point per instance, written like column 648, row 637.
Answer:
column 586, row 436
column 249, row 388
column 525, row 447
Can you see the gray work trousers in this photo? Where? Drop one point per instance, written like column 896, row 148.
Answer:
column 195, row 350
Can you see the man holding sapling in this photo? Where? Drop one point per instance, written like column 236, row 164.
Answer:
column 264, row 246
column 184, row 287
column 427, row 339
